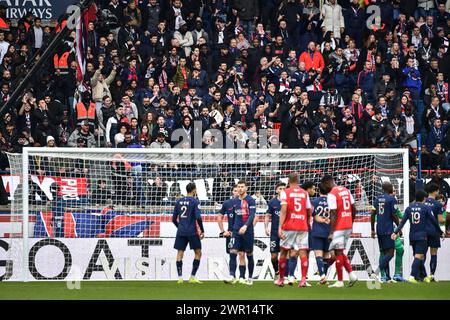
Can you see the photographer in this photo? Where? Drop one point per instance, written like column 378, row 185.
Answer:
column 323, row 130
column 338, row 69
column 298, row 124
column 376, row 129
column 128, row 35
column 346, row 124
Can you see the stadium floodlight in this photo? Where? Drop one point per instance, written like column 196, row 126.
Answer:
column 92, row 207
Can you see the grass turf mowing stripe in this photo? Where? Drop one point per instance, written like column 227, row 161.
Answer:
column 215, row 290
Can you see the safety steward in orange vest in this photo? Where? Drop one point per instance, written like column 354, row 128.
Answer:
column 62, row 62
column 85, row 110
column 3, row 24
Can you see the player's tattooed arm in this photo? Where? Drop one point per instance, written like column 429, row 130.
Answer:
column 441, row 219
column 175, row 220
column 354, row 211
column 220, row 223
column 200, row 224
column 372, row 222
column 175, row 215
column 266, row 223
column 255, row 220
column 332, row 222
column 282, row 218
column 447, row 223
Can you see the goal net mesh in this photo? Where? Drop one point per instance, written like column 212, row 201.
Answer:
column 131, row 194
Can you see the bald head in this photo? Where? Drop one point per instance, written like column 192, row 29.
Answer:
column 293, row 178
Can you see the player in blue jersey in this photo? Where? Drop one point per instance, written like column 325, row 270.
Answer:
column 310, row 187
column 384, row 212
column 186, row 216
column 227, row 210
column 419, row 216
column 319, row 234
column 434, row 243
column 244, row 210
column 273, row 213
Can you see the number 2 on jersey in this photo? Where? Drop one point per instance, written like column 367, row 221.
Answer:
column 183, row 211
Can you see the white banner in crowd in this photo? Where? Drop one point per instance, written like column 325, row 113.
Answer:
column 154, row 259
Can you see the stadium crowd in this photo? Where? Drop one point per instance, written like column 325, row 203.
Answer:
column 310, row 75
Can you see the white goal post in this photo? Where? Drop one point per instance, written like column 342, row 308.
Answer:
column 97, row 213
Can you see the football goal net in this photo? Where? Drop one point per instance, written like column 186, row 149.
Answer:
column 107, row 213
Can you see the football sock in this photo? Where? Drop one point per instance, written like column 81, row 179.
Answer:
column 233, row 264
column 423, row 271
column 282, row 267
column 242, row 271
column 347, row 265
column 320, row 265
column 180, row 268
column 433, row 264
column 195, row 265
column 339, row 265
column 399, row 250
column 286, row 271
column 415, row 268
column 275, row 265
column 251, row 266
column 304, row 264
column 328, row 263
column 388, row 272
column 292, row 265
column 384, row 263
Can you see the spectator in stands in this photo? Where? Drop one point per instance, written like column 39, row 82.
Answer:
column 236, row 69
column 4, row 45
column 82, row 132
column 157, row 191
column 100, row 83
column 333, row 20
column 160, row 142
column 101, row 195
column 444, row 187
column 312, row 59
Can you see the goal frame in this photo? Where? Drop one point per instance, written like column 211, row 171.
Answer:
column 30, row 151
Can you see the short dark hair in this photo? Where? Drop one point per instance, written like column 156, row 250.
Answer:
column 322, row 189
column 432, row 187
column 242, row 181
column 307, row 184
column 421, row 195
column 327, row 178
column 280, row 184
column 190, row 187
column 387, row 187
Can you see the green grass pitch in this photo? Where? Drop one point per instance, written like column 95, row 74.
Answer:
column 215, row 290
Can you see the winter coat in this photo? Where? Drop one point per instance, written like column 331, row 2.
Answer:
column 333, row 20
column 101, row 88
